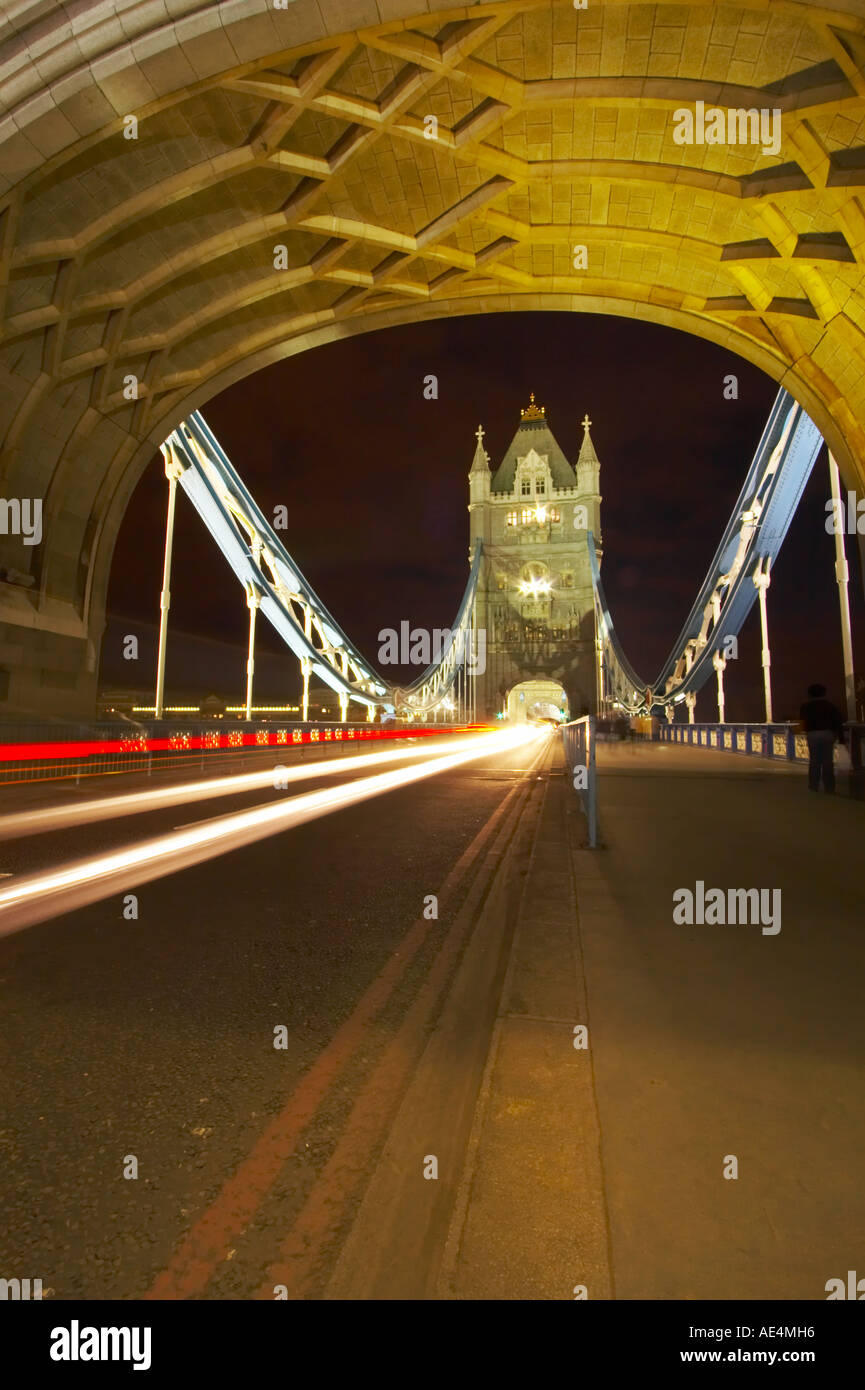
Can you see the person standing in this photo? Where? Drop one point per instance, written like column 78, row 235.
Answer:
column 823, row 724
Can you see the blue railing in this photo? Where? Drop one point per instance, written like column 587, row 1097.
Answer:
column 783, row 742
column 756, row 740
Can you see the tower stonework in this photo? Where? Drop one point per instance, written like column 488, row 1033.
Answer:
column 534, row 599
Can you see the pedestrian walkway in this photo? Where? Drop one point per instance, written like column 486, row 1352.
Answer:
column 712, row 1048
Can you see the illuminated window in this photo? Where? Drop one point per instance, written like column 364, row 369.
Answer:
column 501, row 581
column 511, row 519
column 554, row 514
column 526, row 516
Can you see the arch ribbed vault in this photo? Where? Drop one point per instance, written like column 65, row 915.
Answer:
column 305, row 127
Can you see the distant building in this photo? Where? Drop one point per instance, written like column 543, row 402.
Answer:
column 324, row 705
column 535, row 601
column 119, row 702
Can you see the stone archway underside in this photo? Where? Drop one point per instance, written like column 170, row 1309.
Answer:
column 531, row 698
column 305, row 127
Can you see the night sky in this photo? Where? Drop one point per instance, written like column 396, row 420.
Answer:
column 374, row 478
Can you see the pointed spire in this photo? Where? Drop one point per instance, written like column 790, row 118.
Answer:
column 587, row 448
column 481, row 460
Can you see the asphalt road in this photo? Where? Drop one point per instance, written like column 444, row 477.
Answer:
column 153, row 1040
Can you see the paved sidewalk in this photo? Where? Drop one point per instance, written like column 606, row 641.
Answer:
column 606, row 1168
column 530, row 1221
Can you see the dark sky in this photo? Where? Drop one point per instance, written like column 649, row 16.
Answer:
column 374, row 479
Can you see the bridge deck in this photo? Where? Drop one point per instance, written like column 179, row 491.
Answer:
column 706, row 1041
column 410, row 1038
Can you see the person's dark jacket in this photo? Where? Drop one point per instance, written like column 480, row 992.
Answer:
column 820, row 713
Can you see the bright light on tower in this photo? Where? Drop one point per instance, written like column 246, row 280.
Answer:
column 533, row 587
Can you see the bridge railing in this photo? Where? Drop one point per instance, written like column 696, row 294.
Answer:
column 578, row 740
column 757, row 740
column 35, row 753
column 783, row 742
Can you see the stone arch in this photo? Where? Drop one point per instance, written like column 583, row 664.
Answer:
column 539, row 698
column 153, row 259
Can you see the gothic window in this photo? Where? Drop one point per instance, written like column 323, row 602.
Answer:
column 526, row 516
column 567, row 581
column 555, row 514
column 541, row 486
column 501, row 581
column 526, row 487
column 511, row 519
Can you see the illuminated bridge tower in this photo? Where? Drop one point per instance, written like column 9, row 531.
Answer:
column 535, row 599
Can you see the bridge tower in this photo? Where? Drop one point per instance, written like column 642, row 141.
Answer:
column 534, row 602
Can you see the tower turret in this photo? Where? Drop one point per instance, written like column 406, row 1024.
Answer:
column 588, row 481
column 479, row 490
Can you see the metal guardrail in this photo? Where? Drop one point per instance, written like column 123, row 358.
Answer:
column 782, row 742
column 578, row 740
column 42, row 752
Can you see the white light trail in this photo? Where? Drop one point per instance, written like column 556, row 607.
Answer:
column 38, row 822
column 51, row 892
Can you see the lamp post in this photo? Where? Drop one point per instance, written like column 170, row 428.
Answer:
column 599, row 647
column 343, row 697
column 253, row 599
column 762, row 581
column 474, row 654
column 305, row 663
column 719, row 662
column 842, row 576
column 173, row 471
